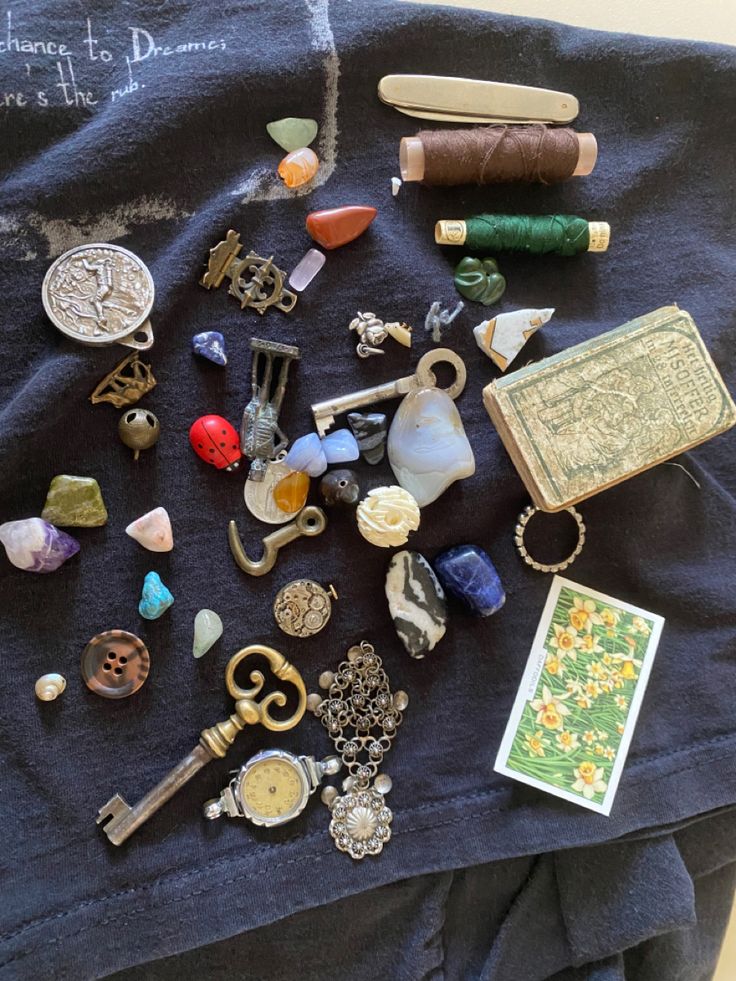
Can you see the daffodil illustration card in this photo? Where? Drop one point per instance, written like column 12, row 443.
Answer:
column 576, row 708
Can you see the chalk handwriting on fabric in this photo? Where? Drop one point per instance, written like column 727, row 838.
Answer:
column 13, row 42
column 68, row 86
column 145, row 47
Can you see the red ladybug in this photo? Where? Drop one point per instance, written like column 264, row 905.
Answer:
column 216, row 442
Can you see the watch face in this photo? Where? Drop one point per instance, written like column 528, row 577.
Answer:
column 273, row 789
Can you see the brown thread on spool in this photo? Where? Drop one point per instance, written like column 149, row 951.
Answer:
column 499, row 154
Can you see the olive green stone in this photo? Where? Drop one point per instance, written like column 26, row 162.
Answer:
column 292, row 133
column 74, row 502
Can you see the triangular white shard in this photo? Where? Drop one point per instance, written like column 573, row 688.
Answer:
column 505, row 335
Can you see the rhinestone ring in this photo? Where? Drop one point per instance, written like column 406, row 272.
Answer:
column 523, row 521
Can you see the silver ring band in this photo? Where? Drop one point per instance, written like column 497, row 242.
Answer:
column 523, row 521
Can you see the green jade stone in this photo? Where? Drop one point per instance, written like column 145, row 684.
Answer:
column 74, row 502
column 292, row 133
column 479, row 280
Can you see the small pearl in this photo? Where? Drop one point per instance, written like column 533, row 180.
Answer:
column 49, row 687
column 326, row 679
column 401, row 700
column 383, row 783
column 329, row 795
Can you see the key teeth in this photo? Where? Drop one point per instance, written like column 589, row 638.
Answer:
column 116, row 808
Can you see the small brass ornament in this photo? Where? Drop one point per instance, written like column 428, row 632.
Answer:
column 139, row 429
column 128, row 382
column 254, row 281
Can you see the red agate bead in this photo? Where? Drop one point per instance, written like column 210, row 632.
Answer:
column 216, row 442
column 338, row 226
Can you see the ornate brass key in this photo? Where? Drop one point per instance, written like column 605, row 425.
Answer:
column 213, row 742
column 324, row 412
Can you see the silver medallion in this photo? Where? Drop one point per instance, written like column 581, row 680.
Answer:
column 303, row 607
column 100, row 294
column 259, row 494
column 361, row 823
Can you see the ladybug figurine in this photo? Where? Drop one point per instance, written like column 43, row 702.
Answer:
column 216, row 442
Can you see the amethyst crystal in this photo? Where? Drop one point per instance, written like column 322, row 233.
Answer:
column 35, row 545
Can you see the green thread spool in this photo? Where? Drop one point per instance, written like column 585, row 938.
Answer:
column 535, row 234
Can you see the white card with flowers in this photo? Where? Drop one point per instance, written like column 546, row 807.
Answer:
column 576, row 708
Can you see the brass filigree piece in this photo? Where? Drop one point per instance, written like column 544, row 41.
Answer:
column 128, row 382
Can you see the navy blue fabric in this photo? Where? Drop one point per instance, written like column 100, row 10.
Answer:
column 162, row 153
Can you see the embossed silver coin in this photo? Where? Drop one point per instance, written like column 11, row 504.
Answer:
column 303, row 607
column 258, row 494
column 100, row 294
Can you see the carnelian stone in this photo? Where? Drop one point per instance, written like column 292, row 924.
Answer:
column 338, row 226
column 290, row 494
column 298, row 167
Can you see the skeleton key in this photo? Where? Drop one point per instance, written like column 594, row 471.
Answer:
column 324, row 412
column 213, row 742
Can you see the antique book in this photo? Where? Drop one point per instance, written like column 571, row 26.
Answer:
column 604, row 410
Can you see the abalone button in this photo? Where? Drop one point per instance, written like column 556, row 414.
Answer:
column 115, row 664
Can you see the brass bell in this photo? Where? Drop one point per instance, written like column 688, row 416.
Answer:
column 139, row 429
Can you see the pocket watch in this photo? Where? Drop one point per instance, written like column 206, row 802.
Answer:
column 272, row 788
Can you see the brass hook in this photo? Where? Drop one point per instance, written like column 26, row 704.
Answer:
column 311, row 521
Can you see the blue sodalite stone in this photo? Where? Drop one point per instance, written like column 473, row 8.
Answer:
column 210, row 344
column 340, row 447
column 468, row 574
column 155, row 597
column 307, row 456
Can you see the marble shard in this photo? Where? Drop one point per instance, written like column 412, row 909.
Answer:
column 34, row 545
column 306, row 269
column 400, row 332
column 338, row 226
column 153, row 531
column 427, row 446
column 387, row 516
column 340, row 446
column 74, row 502
column 155, row 597
column 340, row 487
column 207, row 631
column 396, row 183
column 290, row 493
column 370, row 430
column 479, row 280
column 298, row 167
column 292, row 132
column 503, row 337
column 416, row 602
column 210, row 344
column 467, row 573
column 306, row 454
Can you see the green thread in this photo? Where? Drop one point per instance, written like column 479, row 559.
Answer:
column 535, row 234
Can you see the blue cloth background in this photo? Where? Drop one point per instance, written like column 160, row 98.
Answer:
column 163, row 154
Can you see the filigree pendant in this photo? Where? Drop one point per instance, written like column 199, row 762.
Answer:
column 361, row 823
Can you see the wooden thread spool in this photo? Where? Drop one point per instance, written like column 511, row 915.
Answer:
column 497, row 154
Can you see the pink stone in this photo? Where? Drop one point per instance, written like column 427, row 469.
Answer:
column 153, row 531
column 306, row 270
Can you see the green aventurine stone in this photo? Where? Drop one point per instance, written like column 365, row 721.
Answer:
column 292, row 133
column 74, row 502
